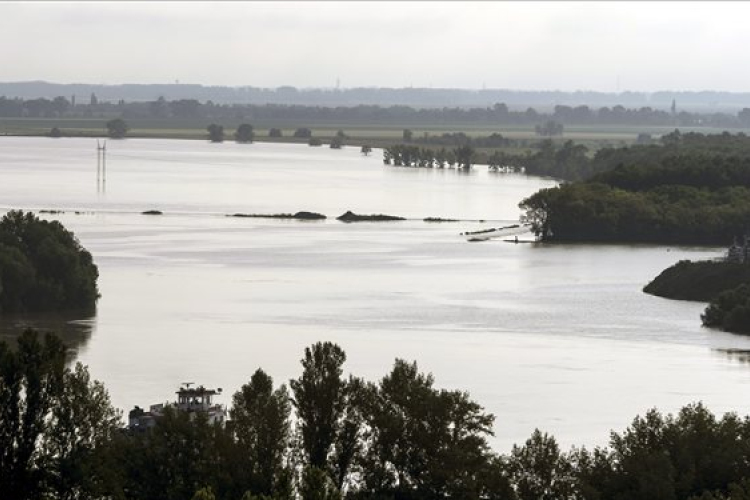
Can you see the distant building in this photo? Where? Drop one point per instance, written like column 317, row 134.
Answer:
column 191, row 400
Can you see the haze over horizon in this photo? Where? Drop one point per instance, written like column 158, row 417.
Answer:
column 566, row 46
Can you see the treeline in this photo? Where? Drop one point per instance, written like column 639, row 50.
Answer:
column 692, row 189
column 574, row 162
column 43, row 267
column 328, row 437
column 410, row 96
column 498, row 114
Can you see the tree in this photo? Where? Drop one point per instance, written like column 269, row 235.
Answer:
column 337, row 143
column 181, row 454
column 303, row 133
column 159, row 108
column 464, row 156
column 261, row 424
column 317, row 485
column 366, row 150
column 204, row 494
column 407, row 135
column 275, row 132
column 424, row 443
column 55, row 132
column 730, row 310
column 117, row 128
column 215, row 133
column 549, row 128
column 314, row 141
column 539, row 471
column 319, row 400
column 244, row 133
column 82, row 422
column 53, row 422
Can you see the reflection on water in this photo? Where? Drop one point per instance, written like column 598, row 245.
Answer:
column 558, row 337
column 739, row 355
column 74, row 329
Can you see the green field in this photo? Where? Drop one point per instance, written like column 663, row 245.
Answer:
column 376, row 135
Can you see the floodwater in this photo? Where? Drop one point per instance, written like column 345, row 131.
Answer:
column 556, row 337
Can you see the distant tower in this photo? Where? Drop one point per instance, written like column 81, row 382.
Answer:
column 674, row 107
column 94, row 101
column 73, row 100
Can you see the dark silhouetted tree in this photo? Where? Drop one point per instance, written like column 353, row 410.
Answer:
column 319, row 400
column 117, row 128
column 244, row 133
column 215, row 133
column 260, row 417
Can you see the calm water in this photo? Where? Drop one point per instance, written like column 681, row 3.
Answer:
column 555, row 337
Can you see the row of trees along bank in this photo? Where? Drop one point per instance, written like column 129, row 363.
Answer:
column 180, row 110
column 244, row 133
column 329, row 437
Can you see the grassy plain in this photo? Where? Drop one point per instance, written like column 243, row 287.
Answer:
column 375, row 134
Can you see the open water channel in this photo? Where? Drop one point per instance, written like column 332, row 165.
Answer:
column 558, row 337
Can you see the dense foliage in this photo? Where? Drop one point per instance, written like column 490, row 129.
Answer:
column 691, row 189
column 117, row 128
column 701, row 280
column 398, row 438
column 55, row 424
column 730, row 311
column 43, row 267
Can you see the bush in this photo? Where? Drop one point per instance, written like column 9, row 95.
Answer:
column 730, row 311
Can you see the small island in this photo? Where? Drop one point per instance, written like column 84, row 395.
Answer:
column 303, row 215
column 350, row 216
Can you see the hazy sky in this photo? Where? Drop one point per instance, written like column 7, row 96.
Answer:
column 605, row 46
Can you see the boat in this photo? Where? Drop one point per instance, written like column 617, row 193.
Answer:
column 190, row 400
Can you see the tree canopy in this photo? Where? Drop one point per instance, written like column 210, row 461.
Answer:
column 215, row 133
column 244, row 133
column 117, row 128
column 43, row 267
column 397, row 438
column 691, row 189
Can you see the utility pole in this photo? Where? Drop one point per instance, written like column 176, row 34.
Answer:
column 101, row 167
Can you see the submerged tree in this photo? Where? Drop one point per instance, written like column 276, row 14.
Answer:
column 117, row 128
column 464, row 156
column 215, row 133
column 244, row 133
column 303, row 133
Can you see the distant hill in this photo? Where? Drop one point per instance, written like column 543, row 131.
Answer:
column 704, row 101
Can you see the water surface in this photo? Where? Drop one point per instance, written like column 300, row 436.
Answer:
column 556, row 337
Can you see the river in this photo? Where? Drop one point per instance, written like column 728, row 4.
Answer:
column 556, row 337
